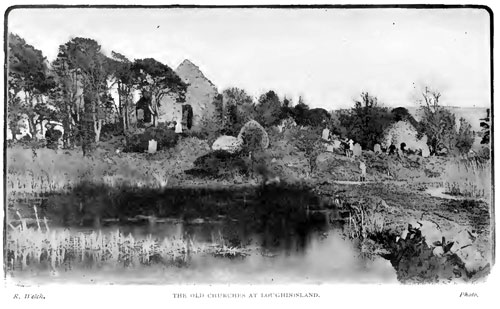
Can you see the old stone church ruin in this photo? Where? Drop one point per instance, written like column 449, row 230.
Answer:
column 198, row 102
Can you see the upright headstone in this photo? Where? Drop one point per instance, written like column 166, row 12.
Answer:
column 178, row 127
column 329, row 148
column 140, row 114
column 356, row 151
column 326, row 134
column 152, row 146
column 336, row 144
column 377, row 149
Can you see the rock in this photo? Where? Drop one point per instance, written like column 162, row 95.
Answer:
column 228, row 143
column 430, row 231
column 464, row 246
column 329, row 148
column 377, row 149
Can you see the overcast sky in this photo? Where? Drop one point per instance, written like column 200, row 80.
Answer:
column 329, row 56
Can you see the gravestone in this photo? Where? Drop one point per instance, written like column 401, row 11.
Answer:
column 326, row 134
column 377, row 149
column 152, row 146
column 178, row 127
column 356, row 151
column 329, row 148
column 140, row 114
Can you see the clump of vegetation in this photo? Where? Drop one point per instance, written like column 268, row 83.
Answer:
column 166, row 138
column 417, row 261
column 53, row 249
column 219, row 163
column 464, row 189
column 366, row 121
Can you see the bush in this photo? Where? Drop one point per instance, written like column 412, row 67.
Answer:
column 109, row 130
column 165, row 137
column 27, row 142
column 208, row 129
column 218, row 164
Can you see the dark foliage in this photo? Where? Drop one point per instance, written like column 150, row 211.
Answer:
column 219, row 163
column 165, row 138
column 437, row 123
column 366, row 121
column 402, row 114
column 485, row 125
column 304, row 116
column 268, row 109
column 465, row 137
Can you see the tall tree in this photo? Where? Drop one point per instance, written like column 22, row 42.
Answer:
column 28, row 81
column 84, row 56
column 157, row 80
column 238, row 108
column 437, row 122
column 309, row 141
column 465, row 137
column 300, row 112
column 121, row 69
column 66, row 97
column 268, row 109
column 366, row 121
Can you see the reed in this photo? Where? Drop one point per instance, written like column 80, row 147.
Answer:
column 54, row 249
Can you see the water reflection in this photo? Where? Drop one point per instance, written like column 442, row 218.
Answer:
column 289, row 241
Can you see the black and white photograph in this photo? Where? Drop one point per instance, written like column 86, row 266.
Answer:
column 248, row 145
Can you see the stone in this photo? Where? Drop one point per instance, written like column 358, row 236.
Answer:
column 377, row 149
column 325, row 134
column 140, row 114
column 178, row 127
column 356, row 151
column 425, row 151
column 228, row 143
column 329, row 148
column 152, row 146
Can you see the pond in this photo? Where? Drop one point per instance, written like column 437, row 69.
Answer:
column 110, row 235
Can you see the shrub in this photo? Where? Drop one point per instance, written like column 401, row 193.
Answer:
column 254, row 136
column 109, row 130
column 217, row 164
